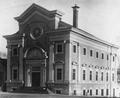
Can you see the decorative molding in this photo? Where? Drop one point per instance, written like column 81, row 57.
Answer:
column 74, row 63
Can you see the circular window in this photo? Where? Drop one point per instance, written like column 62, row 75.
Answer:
column 36, row 33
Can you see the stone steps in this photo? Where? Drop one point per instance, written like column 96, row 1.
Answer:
column 38, row 90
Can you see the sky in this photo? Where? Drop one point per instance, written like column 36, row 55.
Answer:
column 98, row 17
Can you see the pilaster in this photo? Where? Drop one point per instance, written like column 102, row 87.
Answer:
column 67, row 61
column 20, row 63
column 51, row 62
column 8, row 63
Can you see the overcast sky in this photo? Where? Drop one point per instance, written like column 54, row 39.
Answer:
column 98, row 17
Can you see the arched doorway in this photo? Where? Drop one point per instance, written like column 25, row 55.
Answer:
column 35, row 67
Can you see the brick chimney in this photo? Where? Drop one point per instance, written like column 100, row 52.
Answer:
column 75, row 16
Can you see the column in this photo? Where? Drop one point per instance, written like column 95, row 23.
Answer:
column 51, row 62
column 67, row 61
column 8, row 63
column 21, row 63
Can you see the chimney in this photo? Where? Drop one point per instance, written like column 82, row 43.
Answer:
column 75, row 16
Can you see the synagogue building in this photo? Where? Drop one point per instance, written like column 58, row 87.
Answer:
column 47, row 52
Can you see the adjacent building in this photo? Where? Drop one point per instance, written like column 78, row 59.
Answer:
column 47, row 52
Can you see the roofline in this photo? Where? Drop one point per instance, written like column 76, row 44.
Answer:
column 77, row 30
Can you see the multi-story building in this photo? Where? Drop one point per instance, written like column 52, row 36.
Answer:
column 47, row 52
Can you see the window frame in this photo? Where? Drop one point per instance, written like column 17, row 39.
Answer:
column 96, row 76
column 102, row 76
column 102, row 92
column 74, row 48
column 91, row 53
column 97, row 55
column 13, row 75
column 90, row 75
column 84, row 74
column 13, row 51
column 73, row 74
column 84, row 51
column 58, row 66
column 62, row 47
column 107, row 76
column 96, row 91
column 102, row 55
column 60, row 91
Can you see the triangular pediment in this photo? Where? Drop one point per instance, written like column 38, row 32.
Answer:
column 36, row 9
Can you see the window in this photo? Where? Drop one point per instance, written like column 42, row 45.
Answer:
column 107, row 57
column 73, row 74
column 59, row 74
column 96, row 91
column 113, row 92
column 74, row 92
column 83, row 74
column 15, row 51
column 15, row 74
column 113, row 58
column 113, row 77
column 74, row 48
column 107, row 76
column 102, row 92
column 91, row 53
column 96, row 76
column 90, row 75
column 59, row 48
column 107, row 92
column 58, row 91
column 96, row 54
column 84, row 92
column 90, row 92
column 84, row 51
column 101, row 76
column 102, row 56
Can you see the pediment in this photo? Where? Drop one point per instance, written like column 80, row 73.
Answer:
column 35, row 9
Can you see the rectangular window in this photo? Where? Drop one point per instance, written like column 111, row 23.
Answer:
column 107, row 76
column 91, row 52
column 15, row 74
column 74, row 92
column 84, row 51
column 74, row 48
column 83, row 74
column 59, row 47
column 107, row 57
column 84, row 92
column 101, row 76
column 113, row 92
column 102, row 92
column 113, row 58
column 113, row 77
column 90, row 75
column 107, row 92
column 96, row 54
column 102, row 56
column 96, row 76
column 90, row 92
column 96, row 91
column 59, row 74
column 58, row 91
column 73, row 74
column 15, row 51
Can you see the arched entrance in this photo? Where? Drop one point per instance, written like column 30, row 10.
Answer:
column 35, row 67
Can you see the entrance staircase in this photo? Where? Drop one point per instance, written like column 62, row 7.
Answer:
column 39, row 90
